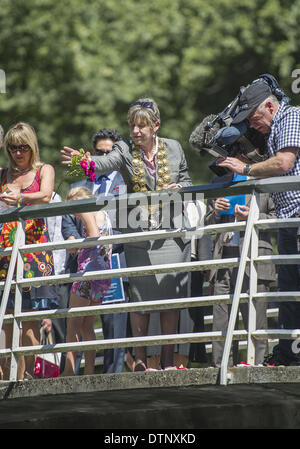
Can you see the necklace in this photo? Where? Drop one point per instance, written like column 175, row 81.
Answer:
column 22, row 171
column 162, row 173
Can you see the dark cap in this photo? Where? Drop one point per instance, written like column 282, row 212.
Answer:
column 250, row 99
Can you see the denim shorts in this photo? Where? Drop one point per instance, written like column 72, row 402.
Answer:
column 32, row 304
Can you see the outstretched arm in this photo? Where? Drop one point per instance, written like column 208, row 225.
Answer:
column 112, row 162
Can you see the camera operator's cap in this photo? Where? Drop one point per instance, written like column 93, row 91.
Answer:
column 250, row 99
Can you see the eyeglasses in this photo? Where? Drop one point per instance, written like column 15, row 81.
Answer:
column 21, row 148
column 100, row 152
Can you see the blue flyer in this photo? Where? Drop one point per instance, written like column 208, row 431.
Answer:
column 115, row 293
column 237, row 199
column 233, row 200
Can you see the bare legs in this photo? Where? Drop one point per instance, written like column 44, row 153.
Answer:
column 76, row 327
column 29, row 336
column 139, row 327
column 169, row 325
column 6, row 338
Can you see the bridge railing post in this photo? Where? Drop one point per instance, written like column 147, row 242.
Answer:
column 252, row 217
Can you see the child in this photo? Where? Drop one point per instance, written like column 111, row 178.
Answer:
column 83, row 293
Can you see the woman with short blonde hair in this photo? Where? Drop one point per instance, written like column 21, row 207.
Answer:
column 144, row 110
column 150, row 163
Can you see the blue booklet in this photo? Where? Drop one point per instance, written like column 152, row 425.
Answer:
column 233, row 200
column 115, row 293
column 237, row 199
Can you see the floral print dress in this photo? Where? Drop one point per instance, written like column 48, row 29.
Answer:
column 94, row 259
column 35, row 264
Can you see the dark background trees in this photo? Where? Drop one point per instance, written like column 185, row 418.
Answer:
column 73, row 67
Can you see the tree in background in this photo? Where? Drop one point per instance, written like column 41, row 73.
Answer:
column 73, row 67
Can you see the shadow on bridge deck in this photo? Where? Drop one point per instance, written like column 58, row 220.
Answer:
column 255, row 398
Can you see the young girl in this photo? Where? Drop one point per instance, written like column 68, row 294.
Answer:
column 83, row 293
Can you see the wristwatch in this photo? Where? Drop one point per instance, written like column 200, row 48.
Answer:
column 247, row 169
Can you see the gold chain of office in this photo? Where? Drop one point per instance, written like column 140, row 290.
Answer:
column 163, row 170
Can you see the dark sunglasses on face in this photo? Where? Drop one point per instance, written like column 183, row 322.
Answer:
column 21, row 148
column 100, row 152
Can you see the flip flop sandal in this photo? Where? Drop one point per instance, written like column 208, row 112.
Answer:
column 167, row 368
column 139, row 366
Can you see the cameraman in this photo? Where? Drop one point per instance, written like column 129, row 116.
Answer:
column 280, row 123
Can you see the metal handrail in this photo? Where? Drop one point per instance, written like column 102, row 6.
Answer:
column 208, row 191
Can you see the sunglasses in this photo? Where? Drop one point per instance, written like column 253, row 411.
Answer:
column 21, row 148
column 143, row 104
column 100, row 152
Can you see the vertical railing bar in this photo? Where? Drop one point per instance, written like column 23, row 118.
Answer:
column 19, row 241
column 237, row 292
column 253, row 284
column 9, row 277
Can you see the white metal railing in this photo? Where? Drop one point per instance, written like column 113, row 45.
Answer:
column 251, row 227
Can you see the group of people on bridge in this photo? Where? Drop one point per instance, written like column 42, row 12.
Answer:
column 148, row 163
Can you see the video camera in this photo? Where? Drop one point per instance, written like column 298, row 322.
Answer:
column 218, row 137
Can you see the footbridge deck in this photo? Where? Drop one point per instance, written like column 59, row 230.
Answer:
column 254, row 398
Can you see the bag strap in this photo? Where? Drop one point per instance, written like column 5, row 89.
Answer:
column 2, row 174
column 45, row 338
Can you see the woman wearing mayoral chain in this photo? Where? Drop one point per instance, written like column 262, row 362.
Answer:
column 149, row 163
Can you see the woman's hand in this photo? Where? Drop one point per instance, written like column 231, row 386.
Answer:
column 67, row 154
column 241, row 212
column 11, row 198
column 73, row 250
column 47, row 325
column 174, row 186
column 221, row 205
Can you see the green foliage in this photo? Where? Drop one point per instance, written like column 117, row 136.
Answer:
column 74, row 170
column 73, row 67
